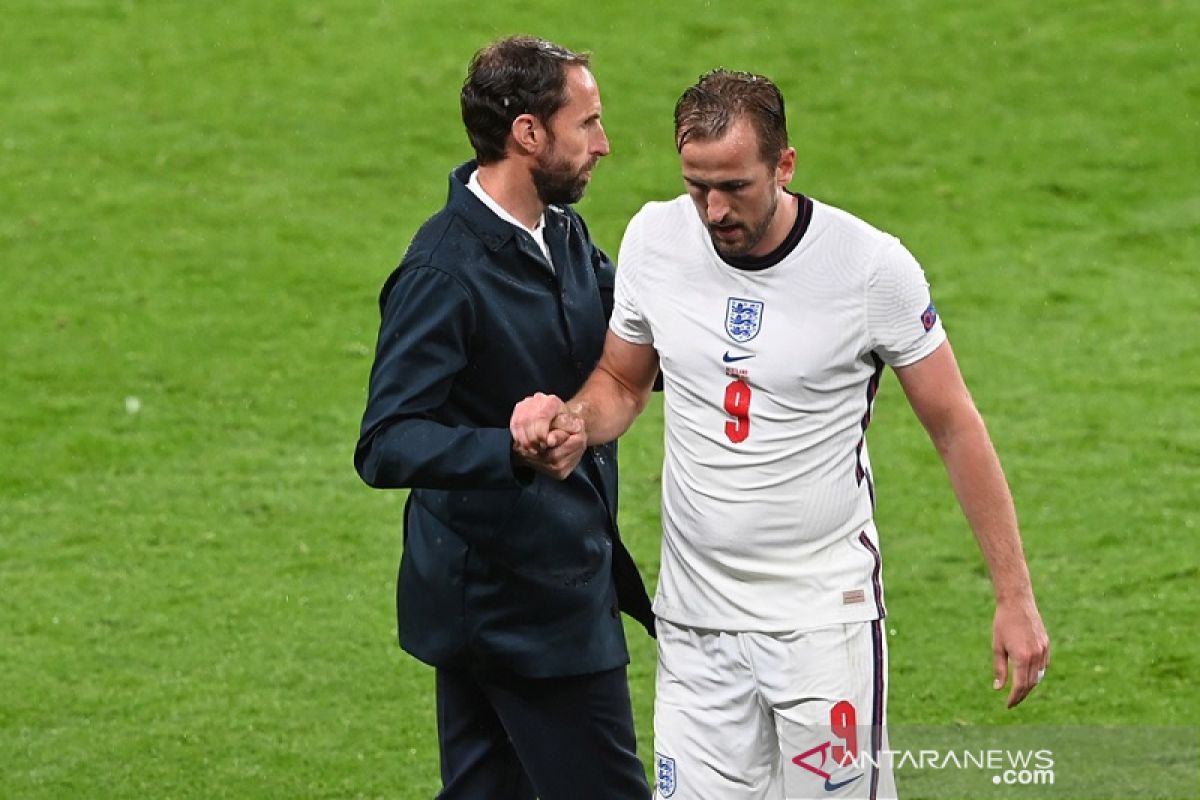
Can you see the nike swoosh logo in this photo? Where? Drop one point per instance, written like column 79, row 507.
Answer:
column 728, row 359
column 833, row 787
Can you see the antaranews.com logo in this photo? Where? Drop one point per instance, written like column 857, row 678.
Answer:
column 1007, row 767
column 1029, row 762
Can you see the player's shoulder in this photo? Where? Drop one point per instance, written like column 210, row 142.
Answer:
column 662, row 227
column 856, row 243
column 829, row 218
column 657, row 213
column 655, row 241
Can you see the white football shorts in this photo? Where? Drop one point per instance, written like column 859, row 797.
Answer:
column 771, row 716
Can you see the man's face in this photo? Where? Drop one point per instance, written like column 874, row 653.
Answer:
column 575, row 142
column 735, row 192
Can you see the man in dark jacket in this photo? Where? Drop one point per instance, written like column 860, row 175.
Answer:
column 510, row 582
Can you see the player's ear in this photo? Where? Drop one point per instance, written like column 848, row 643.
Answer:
column 785, row 168
column 528, row 133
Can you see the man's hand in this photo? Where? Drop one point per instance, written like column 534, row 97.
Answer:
column 1019, row 637
column 547, row 436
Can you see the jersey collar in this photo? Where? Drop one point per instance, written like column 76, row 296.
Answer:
column 789, row 243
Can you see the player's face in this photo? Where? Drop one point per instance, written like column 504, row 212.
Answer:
column 736, row 192
column 575, row 142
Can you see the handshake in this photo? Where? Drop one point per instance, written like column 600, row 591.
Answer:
column 547, row 435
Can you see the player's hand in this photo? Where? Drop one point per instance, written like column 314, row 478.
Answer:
column 546, row 436
column 1021, row 646
column 531, row 422
column 566, row 443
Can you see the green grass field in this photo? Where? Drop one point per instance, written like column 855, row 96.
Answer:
column 199, row 202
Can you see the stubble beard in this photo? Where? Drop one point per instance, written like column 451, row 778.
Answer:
column 557, row 181
column 753, row 237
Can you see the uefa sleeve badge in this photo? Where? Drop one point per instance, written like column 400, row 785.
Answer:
column 928, row 318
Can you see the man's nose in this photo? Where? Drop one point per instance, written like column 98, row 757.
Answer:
column 600, row 144
column 716, row 207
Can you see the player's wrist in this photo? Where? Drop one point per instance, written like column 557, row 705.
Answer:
column 1017, row 598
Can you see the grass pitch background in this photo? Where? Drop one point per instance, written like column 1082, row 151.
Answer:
column 198, row 204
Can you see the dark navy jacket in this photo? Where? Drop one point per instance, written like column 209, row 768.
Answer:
column 502, row 567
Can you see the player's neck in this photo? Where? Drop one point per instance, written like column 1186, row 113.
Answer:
column 781, row 224
column 509, row 183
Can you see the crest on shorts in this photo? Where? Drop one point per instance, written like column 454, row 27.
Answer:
column 743, row 318
column 664, row 769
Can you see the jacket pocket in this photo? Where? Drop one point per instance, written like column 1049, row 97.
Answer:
column 559, row 539
column 481, row 517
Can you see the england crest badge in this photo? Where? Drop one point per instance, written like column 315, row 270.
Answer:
column 743, row 318
column 664, row 768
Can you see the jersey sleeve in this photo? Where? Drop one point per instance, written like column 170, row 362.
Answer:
column 627, row 319
column 903, row 323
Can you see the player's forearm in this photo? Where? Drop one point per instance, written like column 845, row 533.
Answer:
column 607, row 406
column 979, row 483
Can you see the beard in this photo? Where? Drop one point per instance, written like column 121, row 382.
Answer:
column 558, row 181
column 753, row 235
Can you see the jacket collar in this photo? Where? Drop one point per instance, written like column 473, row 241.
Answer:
column 492, row 231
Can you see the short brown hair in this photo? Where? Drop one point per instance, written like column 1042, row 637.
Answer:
column 721, row 97
column 513, row 76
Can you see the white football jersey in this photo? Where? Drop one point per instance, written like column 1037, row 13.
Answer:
column 769, row 377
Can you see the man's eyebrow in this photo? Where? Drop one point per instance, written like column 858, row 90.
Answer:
column 725, row 185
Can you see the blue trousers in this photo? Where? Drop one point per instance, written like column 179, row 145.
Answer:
column 505, row 737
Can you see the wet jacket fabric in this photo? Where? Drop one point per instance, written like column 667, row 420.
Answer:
column 501, row 566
